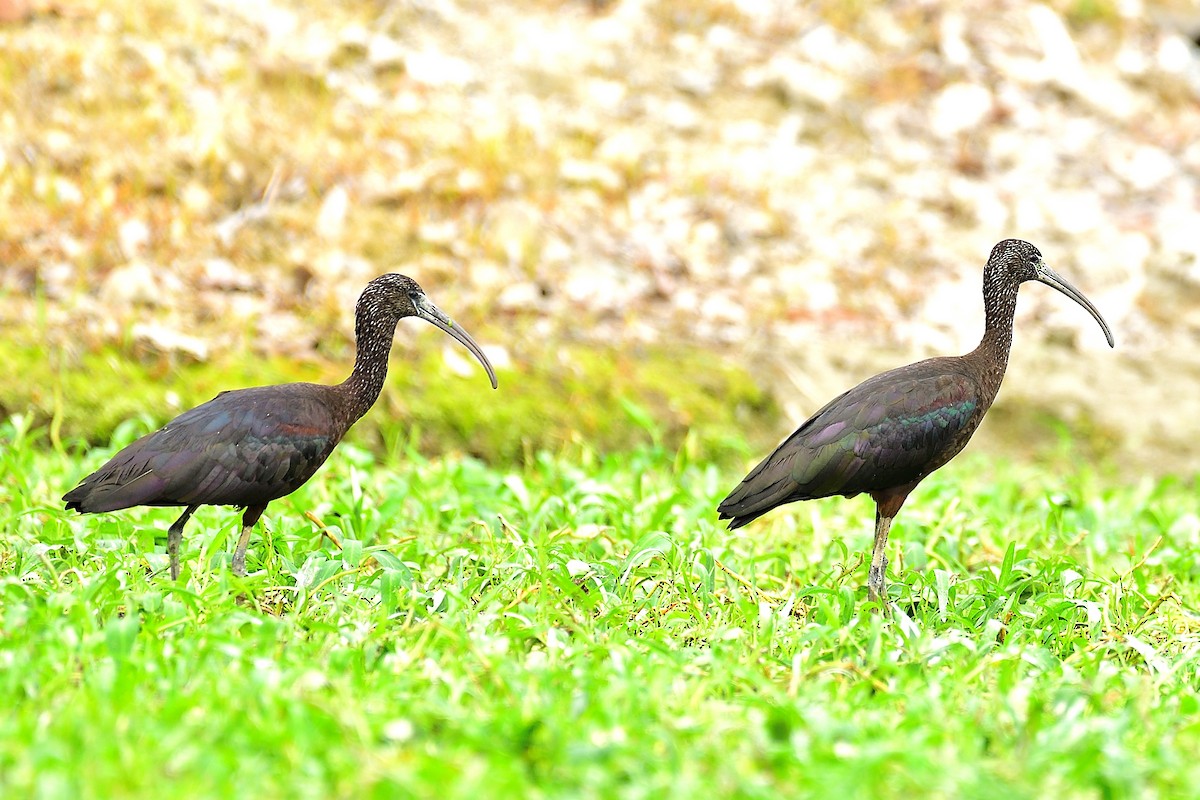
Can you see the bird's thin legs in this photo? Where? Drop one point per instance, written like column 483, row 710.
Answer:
column 875, row 576
column 175, row 538
column 249, row 520
column 887, row 506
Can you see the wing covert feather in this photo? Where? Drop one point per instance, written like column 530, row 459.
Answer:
column 892, row 429
column 242, row 447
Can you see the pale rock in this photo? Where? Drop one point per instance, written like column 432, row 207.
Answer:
column 331, row 218
column 67, row 192
column 722, row 38
column 981, row 199
column 557, row 251
column 1060, row 58
column 498, row 354
column 133, row 236
column 136, row 282
column 55, row 278
column 1028, row 158
column 742, row 132
column 826, row 46
column 1175, row 55
column 798, row 81
column 952, row 39
column 718, row 309
column 514, row 228
column 686, row 299
column 1191, row 156
column 196, row 198
column 605, row 94
column 344, row 268
column 58, row 143
column 165, row 339
column 1115, row 266
column 1143, row 168
column 208, row 121
column 435, row 69
column 755, row 222
column 890, row 27
column 808, row 285
column 1024, row 114
column 789, row 130
column 686, row 45
column 596, row 285
column 1080, row 136
column 354, row 37
column 487, row 277
column 958, row 108
column 1074, row 211
column 520, row 296
column 221, row 273
column 681, row 116
column 760, row 291
column 384, row 52
column 461, row 363
column 1028, row 214
column 1176, row 227
column 1110, row 95
column 887, row 125
column 578, row 172
column 396, row 187
column 441, row 232
column 1132, row 60
column 949, row 315
column 469, row 181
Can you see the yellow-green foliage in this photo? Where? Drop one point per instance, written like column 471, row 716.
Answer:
column 611, row 399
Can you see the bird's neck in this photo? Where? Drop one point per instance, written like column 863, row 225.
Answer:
column 362, row 388
column 991, row 356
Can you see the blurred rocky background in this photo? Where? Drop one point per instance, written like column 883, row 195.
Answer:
column 658, row 215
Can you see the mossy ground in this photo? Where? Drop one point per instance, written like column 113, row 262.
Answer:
column 611, row 399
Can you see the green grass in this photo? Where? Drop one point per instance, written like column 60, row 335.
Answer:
column 582, row 627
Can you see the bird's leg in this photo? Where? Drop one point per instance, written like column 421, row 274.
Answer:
column 249, row 520
column 878, row 570
column 175, row 538
column 887, row 506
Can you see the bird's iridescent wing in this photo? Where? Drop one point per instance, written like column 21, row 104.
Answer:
column 241, row 448
column 892, row 429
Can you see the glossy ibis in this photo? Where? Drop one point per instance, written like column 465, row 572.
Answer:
column 885, row 435
column 247, row 447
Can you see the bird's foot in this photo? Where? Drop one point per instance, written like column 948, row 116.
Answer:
column 238, row 567
column 876, row 584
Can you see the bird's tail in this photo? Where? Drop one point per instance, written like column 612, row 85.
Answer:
column 104, row 491
column 768, row 485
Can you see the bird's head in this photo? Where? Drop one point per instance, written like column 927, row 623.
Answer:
column 396, row 296
column 1014, row 261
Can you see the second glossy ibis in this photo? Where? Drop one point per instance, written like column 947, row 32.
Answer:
column 884, row 436
column 247, row 447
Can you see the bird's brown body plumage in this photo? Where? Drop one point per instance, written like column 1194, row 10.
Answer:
column 886, row 435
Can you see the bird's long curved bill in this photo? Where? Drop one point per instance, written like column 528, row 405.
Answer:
column 1052, row 278
column 434, row 315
